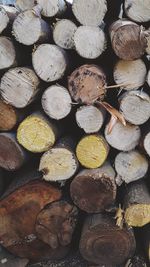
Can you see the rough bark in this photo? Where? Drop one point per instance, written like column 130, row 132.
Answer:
column 8, row 56
column 137, row 10
column 8, row 117
column 51, row 8
column 7, row 16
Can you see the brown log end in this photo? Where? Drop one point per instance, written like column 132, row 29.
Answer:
column 8, row 117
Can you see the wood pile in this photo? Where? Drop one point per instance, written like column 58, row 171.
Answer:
column 75, row 133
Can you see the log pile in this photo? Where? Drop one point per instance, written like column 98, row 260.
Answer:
column 75, row 133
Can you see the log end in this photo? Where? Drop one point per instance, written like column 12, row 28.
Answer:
column 4, row 19
column 138, row 215
column 8, row 117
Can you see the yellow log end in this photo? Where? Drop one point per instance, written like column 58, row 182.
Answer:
column 35, row 134
column 92, row 151
column 138, row 215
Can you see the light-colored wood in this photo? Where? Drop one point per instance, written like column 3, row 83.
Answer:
column 51, row 8
column 90, row 42
column 90, row 13
column 131, row 166
column 148, row 78
column 148, row 42
column 7, row 16
column 7, row 53
column 23, row 5
column 92, row 151
column 147, row 143
column 28, row 28
column 135, row 106
column 63, row 33
column 49, row 62
column 19, row 86
column 122, row 137
column 130, row 73
column 90, row 118
column 8, row 117
column 138, row 10
column 56, row 102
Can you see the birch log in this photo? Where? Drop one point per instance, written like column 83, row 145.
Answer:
column 138, row 10
column 122, row 137
column 137, row 204
column 94, row 190
column 19, row 86
column 89, row 12
column 125, row 36
column 146, row 143
column 7, row 16
column 56, row 102
column 130, row 166
column 90, row 42
column 8, row 56
column 51, row 8
column 63, row 33
column 104, row 243
column 8, row 117
column 92, row 151
column 23, row 5
column 28, row 28
column 56, row 62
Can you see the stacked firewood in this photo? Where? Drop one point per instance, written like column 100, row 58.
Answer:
column 75, row 133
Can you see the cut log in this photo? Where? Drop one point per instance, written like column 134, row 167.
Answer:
column 7, row 53
column 148, row 43
column 28, row 28
column 135, row 106
column 56, row 102
column 130, row 166
column 56, row 62
column 90, row 42
column 23, row 5
column 56, row 223
column 8, row 117
column 94, row 190
column 104, row 243
column 130, row 74
column 7, row 16
column 90, row 118
column 146, row 143
column 19, row 86
column 138, row 10
column 59, row 163
column 36, row 133
column 89, row 12
column 12, row 155
column 51, row 8
column 8, row 260
column 92, row 151
column 87, row 83
column 122, row 137
column 148, row 78
column 137, row 204
column 128, row 39
column 63, row 33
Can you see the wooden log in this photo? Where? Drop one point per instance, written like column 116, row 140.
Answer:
column 92, row 151
column 36, row 133
column 56, row 102
column 83, row 79
column 51, row 8
column 130, row 74
column 63, row 33
column 148, row 43
column 90, row 13
column 146, row 143
column 125, row 36
column 94, row 190
column 8, row 57
column 104, row 243
column 7, row 16
column 59, row 163
column 19, row 86
column 28, row 28
column 130, row 166
column 137, row 204
column 135, row 106
column 137, row 10
column 12, row 155
column 148, row 78
column 122, row 137
column 8, row 260
column 56, row 223
column 90, row 118
column 8, row 117
column 23, row 5
column 90, row 42
column 56, row 62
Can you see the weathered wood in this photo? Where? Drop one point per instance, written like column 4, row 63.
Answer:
column 90, row 13
column 122, row 137
column 90, row 42
column 28, row 28
column 104, row 243
column 94, row 190
column 148, row 43
column 56, row 102
column 148, row 78
column 130, row 166
column 7, row 16
column 125, row 36
column 63, row 33
column 55, row 59
column 130, row 74
column 51, row 8
column 92, row 151
column 87, row 83
column 138, row 10
column 90, row 118
column 23, row 5
column 8, row 260
column 8, row 117
column 146, row 143
column 19, row 86
column 8, row 57
column 137, row 204
column 135, row 106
